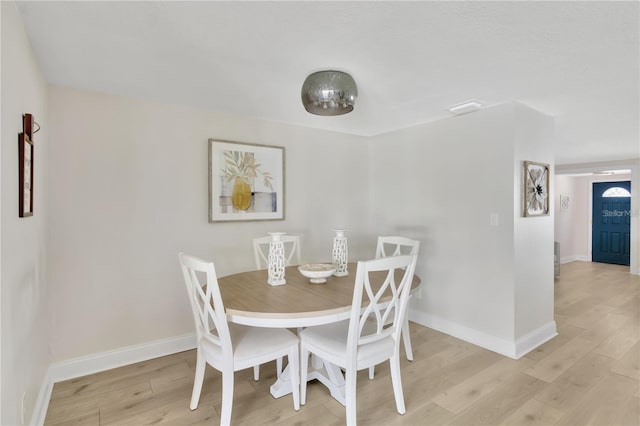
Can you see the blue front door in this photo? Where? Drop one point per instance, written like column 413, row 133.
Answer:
column 611, row 222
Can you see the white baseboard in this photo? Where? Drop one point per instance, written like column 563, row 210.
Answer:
column 511, row 349
column 581, row 258
column 42, row 403
column 530, row 341
column 493, row 343
column 94, row 363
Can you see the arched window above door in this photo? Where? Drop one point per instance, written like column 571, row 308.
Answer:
column 616, row 191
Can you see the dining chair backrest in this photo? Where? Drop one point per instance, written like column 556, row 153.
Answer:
column 396, row 246
column 206, row 303
column 380, row 298
column 291, row 250
column 216, row 338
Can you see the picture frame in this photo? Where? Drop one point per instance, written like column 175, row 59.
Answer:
column 246, row 181
column 25, row 175
column 535, row 189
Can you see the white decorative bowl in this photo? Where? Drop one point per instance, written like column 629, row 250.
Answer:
column 317, row 272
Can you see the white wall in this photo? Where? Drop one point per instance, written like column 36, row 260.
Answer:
column 533, row 236
column 564, row 229
column 441, row 182
column 24, row 285
column 129, row 191
column 579, row 207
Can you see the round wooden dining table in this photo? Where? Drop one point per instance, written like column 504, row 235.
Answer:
column 249, row 300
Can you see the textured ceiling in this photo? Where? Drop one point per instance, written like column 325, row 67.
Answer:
column 576, row 61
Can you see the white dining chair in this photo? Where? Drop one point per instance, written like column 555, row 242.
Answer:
column 396, row 246
column 230, row 347
column 368, row 338
column 291, row 250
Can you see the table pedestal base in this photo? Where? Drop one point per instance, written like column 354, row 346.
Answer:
column 326, row 373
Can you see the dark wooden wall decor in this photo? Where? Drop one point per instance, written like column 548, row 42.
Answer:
column 25, row 168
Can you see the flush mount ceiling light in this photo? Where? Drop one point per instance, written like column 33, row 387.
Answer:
column 329, row 93
column 464, row 107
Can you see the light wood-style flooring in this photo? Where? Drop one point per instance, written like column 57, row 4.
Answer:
column 588, row 375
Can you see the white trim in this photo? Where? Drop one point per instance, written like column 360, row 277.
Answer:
column 94, row 363
column 102, row 361
column 580, row 258
column 532, row 340
column 511, row 349
column 42, row 403
column 487, row 341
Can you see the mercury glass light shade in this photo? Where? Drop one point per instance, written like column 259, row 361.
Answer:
column 329, row 93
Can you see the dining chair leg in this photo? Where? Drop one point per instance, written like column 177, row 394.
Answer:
column 350, row 395
column 197, row 381
column 406, row 339
column 294, row 376
column 394, row 364
column 256, row 373
column 279, row 367
column 227, row 398
column 372, row 371
column 304, row 368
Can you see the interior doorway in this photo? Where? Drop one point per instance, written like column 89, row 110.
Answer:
column 611, row 222
column 573, row 205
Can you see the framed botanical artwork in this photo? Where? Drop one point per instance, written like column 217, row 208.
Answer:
column 246, row 181
column 536, row 189
column 25, row 175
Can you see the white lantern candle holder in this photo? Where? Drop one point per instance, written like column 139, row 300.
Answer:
column 340, row 253
column 276, row 260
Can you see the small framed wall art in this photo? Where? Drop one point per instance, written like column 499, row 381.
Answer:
column 536, row 189
column 25, row 175
column 246, row 181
